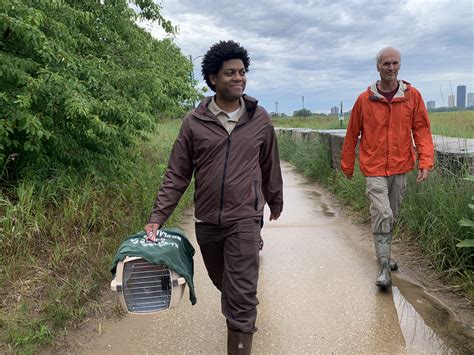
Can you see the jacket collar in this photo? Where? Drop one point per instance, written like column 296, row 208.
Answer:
column 401, row 95
column 202, row 111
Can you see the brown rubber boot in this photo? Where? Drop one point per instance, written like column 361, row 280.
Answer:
column 239, row 343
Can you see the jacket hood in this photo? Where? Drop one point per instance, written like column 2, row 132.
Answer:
column 202, row 111
column 403, row 87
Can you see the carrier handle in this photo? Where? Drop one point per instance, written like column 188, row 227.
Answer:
column 179, row 281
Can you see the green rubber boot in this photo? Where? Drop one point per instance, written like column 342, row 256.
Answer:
column 382, row 249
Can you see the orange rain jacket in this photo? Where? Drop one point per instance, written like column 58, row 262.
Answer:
column 386, row 130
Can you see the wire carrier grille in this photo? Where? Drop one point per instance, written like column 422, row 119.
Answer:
column 143, row 287
column 146, row 287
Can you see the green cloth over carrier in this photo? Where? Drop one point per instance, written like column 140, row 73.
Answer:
column 171, row 248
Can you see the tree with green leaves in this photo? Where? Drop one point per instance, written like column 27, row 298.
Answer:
column 304, row 112
column 80, row 80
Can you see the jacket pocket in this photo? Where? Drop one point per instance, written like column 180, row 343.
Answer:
column 256, row 194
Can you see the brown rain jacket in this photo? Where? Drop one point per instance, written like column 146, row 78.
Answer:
column 386, row 130
column 235, row 174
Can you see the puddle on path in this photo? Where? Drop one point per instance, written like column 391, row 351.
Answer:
column 427, row 326
column 326, row 211
column 323, row 207
column 419, row 337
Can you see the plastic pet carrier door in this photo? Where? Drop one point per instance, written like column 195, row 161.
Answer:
column 143, row 287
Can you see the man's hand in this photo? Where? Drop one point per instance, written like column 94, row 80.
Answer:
column 422, row 175
column 274, row 216
column 151, row 229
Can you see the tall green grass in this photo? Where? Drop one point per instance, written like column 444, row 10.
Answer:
column 452, row 124
column 431, row 212
column 315, row 165
column 58, row 238
column 429, row 215
column 316, row 122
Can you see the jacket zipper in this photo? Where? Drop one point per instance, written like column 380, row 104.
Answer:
column 221, row 207
column 223, row 179
column 388, row 137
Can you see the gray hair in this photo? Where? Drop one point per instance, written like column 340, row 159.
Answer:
column 379, row 54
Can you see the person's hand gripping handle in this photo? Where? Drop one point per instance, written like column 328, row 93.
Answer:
column 151, row 230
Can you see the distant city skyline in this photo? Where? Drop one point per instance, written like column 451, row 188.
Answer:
column 461, row 99
column 445, row 99
column 325, row 50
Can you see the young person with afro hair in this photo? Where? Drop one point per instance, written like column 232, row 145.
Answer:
column 229, row 144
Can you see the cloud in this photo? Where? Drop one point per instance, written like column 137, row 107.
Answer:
column 325, row 50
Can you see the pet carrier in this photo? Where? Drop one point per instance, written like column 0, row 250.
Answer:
column 150, row 276
column 143, row 287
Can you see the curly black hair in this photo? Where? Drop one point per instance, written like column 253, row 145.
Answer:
column 218, row 54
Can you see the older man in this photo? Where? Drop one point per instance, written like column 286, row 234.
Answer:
column 388, row 117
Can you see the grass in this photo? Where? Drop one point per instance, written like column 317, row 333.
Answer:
column 431, row 212
column 452, row 124
column 58, row 239
column 429, row 215
column 318, row 122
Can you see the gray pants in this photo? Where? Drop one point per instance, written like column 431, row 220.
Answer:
column 385, row 194
column 231, row 255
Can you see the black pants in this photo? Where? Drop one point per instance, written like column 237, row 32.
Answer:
column 230, row 253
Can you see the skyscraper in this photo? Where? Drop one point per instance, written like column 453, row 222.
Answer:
column 461, row 96
column 470, row 99
column 451, row 100
column 430, row 105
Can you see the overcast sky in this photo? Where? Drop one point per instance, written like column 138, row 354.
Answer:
column 325, row 50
